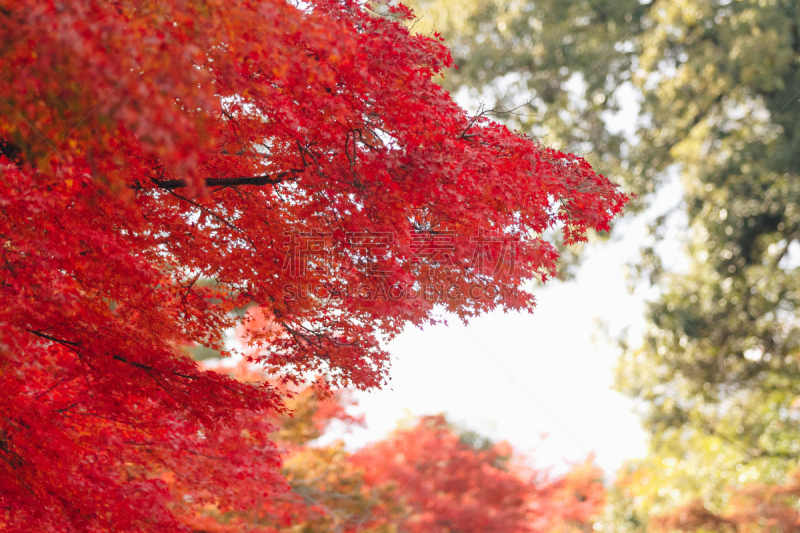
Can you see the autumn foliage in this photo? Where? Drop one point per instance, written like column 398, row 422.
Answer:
column 156, row 157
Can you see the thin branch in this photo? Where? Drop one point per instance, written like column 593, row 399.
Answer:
column 54, row 339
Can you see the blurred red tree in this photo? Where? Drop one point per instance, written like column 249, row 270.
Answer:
column 454, row 481
column 428, row 477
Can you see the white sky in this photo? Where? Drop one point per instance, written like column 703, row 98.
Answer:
column 515, row 377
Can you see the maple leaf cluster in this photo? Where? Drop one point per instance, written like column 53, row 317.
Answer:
column 149, row 147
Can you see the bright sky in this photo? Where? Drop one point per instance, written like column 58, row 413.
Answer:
column 520, row 377
column 516, row 377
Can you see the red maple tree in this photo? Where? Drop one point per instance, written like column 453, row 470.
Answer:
column 451, row 482
column 148, row 146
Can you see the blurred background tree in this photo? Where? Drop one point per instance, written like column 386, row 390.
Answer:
column 429, row 476
column 714, row 86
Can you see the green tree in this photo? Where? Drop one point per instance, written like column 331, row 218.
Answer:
column 718, row 372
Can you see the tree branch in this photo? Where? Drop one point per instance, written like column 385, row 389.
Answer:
column 267, row 179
